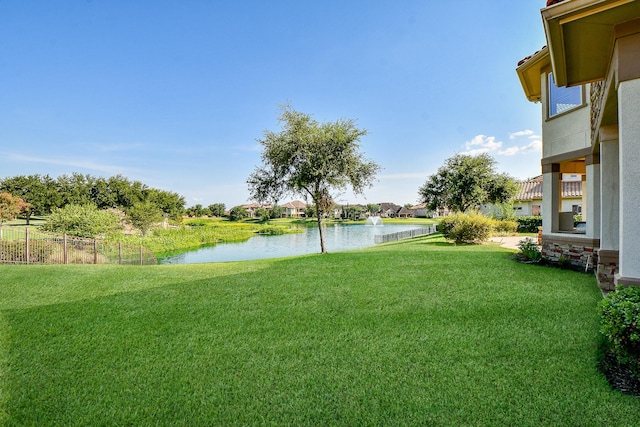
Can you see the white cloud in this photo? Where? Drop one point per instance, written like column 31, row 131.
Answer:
column 535, row 146
column 488, row 144
column 527, row 132
column 481, row 144
column 511, row 151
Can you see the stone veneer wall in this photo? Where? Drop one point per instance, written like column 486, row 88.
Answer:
column 607, row 269
column 579, row 250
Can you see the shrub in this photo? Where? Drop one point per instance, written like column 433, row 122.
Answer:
column 620, row 324
column 82, row 221
column 271, row 230
column 564, row 262
column 238, row 213
column 529, row 250
column 504, row 226
column 529, row 224
column 466, row 228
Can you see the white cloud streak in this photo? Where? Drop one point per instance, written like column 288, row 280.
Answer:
column 83, row 164
column 515, row 135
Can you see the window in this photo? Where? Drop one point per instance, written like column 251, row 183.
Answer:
column 563, row 99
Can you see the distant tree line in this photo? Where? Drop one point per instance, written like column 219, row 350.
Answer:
column 44, row 194
column 216, row 209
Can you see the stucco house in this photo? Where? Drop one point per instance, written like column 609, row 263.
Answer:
column 294, row 209
column 252, row 208
column 421, row 210
column 405, row 212
column 528, row 201
column 587, row 80
column 388, row 210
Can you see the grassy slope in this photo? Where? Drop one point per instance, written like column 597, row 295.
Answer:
column 410, row 333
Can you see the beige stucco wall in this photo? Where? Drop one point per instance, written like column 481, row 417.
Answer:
column 566, row 132
column 629, row 132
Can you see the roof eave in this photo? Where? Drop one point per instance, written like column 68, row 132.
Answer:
column 529, row 74
column 580, row 37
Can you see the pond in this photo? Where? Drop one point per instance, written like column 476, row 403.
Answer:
column 338, row 238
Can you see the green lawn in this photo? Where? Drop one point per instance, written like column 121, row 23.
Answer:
column 412, row 333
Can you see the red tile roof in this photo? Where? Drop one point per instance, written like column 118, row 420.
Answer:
column 552, row 2
column 572, row 189
column 532, row 189
column 525, row 59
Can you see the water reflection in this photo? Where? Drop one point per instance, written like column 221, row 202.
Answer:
column 338, row 238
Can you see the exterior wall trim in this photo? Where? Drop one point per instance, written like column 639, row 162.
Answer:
column 608, row 256
column 571, row 239
column 627, row 281
column 570, row 155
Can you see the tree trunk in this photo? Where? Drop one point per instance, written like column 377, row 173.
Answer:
column 323, row 247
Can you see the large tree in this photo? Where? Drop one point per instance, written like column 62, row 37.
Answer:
column 39, row 191
column 466, row 182
column 307, row 158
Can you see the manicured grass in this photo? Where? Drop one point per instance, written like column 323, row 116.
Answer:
column 412, row 333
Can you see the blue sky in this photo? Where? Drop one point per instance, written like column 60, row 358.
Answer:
column 175, row 93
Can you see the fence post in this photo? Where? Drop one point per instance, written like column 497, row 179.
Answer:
column 140, row 254
column 26, row 244
column 64, row 248
column 95, row 251
column 120, row 253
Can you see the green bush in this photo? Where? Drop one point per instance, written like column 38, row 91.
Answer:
column 238, row 213
column 529, row 224
column 505, row 226
column 466, row 228
column 620, row 324
column 82, row 221
column 529, row 250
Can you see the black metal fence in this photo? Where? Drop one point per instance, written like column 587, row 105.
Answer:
column 408, row 234
column 26, row 246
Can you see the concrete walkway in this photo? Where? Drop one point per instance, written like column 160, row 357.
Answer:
column 510, row 242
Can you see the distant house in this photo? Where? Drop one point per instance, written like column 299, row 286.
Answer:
column 420, row 211
column 252, row 208
column 528, row 201
column 388, row 210
column 294, row 209
column 587, row 81
column 405, row 212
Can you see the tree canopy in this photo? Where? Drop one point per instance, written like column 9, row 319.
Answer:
column 44, row 193
column 311, row 159
column 11, row 206
column 466, row 182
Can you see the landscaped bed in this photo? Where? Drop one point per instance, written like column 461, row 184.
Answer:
column 412, row 333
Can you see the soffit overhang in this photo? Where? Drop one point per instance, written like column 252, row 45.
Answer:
column 529, row 73
column 580, row 37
